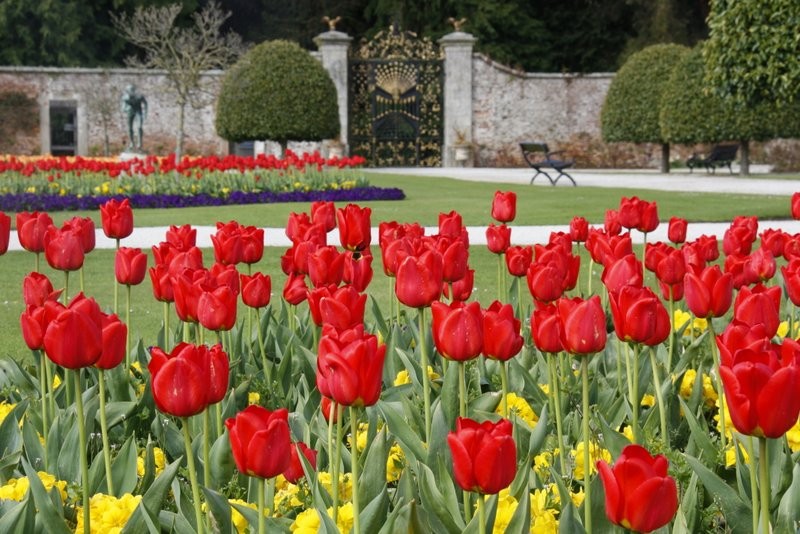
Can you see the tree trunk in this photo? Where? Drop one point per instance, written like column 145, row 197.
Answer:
column 744, row 160
column 665, row 157
column 179, row 139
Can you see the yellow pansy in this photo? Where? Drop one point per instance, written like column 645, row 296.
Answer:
column 158, row 460
column 395, row 463
column 306, row 522
column 5, row 409
column 680, row 318
column 253, row 397
column 648, row 400
column 16, row 488
column 519, row 406
column 687, row 383
column 403, row 377
column 783, row 329
column 793, row 437
column 108, row 514
column 596, row 453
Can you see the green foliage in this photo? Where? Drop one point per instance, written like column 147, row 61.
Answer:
column 277, row 91
column 630, row 111
column 690, row 113
column 753, row 52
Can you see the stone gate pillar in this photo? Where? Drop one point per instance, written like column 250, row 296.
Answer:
column 333, row 46
column 457, row 129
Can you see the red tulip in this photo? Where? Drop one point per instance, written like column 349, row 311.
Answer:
column 350, row 366
column 31, row 228
column 295, row 472
column 35, row 320
column 419, row 280
column 710, row 293
column 187, row 294
column 74, row 338
column 117, row 218
column 504, row 206
column 461, row 289
column 638, row 214
column 671, row 268
column 672, row 292
column 455, row 258
column 796, row 206
column 760, row 265
column 295, row 290
column 216, row 309
column 639, row 315
column 325, row 266
column 761, row 389
column 546, row 329
column 323, row 213
column 260, row 441
column 256, row 290
column 63, row 249
column 191, row 259
column 392, row 252
column 578, row 229
column 37, row 289
column 162, row 283
column 791, row 280
column 224, row 275
column 458, row 330
column 84, row 228
column 498, row 238
column 5, row 232
column 545, row 281
column 297, row 226
column 130, row 265
column 583, row 325
column 739, row 335
column 518, row 260
column 626, row 271
column 228, row 243
column 252, row 244
column 640, row 495
column 484, row 455
column 676, row 231
column 774, row 241
column 759, row 305
column 218, row 372
column 357, row 270
column 182, row 237
column 354, row 227
column 114, row 337
column 501, row 332
column 611, row 223
column 451, row 225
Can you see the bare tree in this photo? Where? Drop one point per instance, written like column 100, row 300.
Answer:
column 103, row 106
column 183, row 53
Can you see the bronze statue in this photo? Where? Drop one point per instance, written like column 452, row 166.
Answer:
column 134, row 107
column 457, row 24
column 331, row 22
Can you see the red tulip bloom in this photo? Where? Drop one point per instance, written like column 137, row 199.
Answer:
column 761, row 389
column 295, row 472
column 760, row 265
column 130, row 265
column 191, row 259
column 545, row 281
column 74, row 338
column 518, row 260
column 710, row 293
column 350, row 366
column 295, row 290
column 35, row 320
column 774, row 241
column 297, row 226
column 484, row 455
column 227, row 243
column 796, row 206
column 187, row 294
column 671, row 269
column 342, row 308
column 117, row 218
column 354, row 227
column 640, row 495
column 546, row 329
column 256, row 290
column 638, row 214
column 162, row 283
column 419, row 280
column 455, row 258
column 323, row 213
column 260, row 441
column 639, row 316
column 578, row 229
column 654, row 253
column 451, row 225
column 182, row 237
column 114, row 337
column 501, row 332
column 218, row 371
column 325, row 266
column 676, row 231
column 504, row 206
column 626, row 271
column 84, row 227
column 605, row 249
column 738, row 336
column 31, row 228
column 223, row 275
column 498, row 238
column 583, row 325
column 252, row 244
column 458, row 330
column 5, row 232
column 462, row 288
column 611, row 223
column 357, row 270
column 759, row 305
column 739, row 238
column 63, row 249
column 37, row 289
column 673, row 292
column 216, row 309
column 791, row 280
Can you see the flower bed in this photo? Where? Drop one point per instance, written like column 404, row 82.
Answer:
column 76, row 183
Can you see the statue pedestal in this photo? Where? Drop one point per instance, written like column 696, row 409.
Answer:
column 128, row 155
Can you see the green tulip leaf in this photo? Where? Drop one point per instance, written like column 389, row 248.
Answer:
column 399, row 428
column 398, row 520
column 789, row 508
column 123, row 468
column 172, row 522
column 47, row 514
column 612, row 440
column 520, row 522
column 486, row 402
column 272, row 524
column 117, row 412
column 14, row 377
column 442, row 517
column 449, row 397
column 148, row 510
column 539, row 434
column 326, row 524
column 699, row 435
column 11, row 443
column 21, row 517
column 737, row 512
column 67, row 466
column 220, row 511
column 568, row 522
column 372, row 480
column 600, row 521
column 34, row 452
column 221, row 458
column 490, row 509
column 373, row 515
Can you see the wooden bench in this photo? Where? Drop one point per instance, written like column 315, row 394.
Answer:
column 720, row 156
column 539, row 157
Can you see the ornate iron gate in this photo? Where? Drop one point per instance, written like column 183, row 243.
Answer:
column 395, row 84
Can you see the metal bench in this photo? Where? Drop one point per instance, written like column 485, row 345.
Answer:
column 720, row 156
column 539, row 157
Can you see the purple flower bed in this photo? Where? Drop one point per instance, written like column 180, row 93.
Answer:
column 50, row 203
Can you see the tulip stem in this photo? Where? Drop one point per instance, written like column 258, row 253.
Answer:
column 207, row 449
column 753, row 481
column 354, row 466
column 104, row 431
column 66, row 287
column 587, row 506
column 589, row 280
column 38, row 260
column 500, row 268
column 619, row 368
column 662, row 414
column 80, row 274
column 481, row 515
column 671, row 331
column 187, row 443
column 87, row 527
column 167, row 333
column 128, row 329
column 116, row 285
column 270, row 485
column 264, row 364
column 335, row 461
column 462, row 389
column 723, row 438
column 634, row 400
column 261, row 500
column 43, row 387
column 504, row 387
column 426, row 394
column 765, row 483
column 555, row 391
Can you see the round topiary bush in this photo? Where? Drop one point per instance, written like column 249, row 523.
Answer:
column 630, row 111
column 277, row 91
